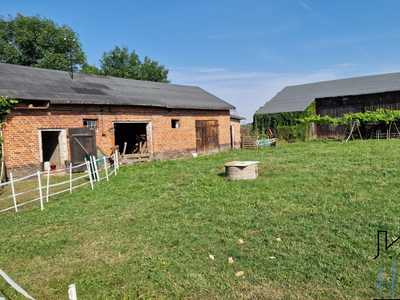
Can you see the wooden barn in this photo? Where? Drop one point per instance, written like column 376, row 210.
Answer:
column 337, row 97
column 60, row 119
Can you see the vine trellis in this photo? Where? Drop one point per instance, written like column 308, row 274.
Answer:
column 356, row 119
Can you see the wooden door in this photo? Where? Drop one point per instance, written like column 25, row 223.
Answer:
column 82, row 141
column 206, row 136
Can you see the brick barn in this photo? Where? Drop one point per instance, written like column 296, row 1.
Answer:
column 60, row 117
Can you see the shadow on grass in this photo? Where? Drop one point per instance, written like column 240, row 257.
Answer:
column 3, row 294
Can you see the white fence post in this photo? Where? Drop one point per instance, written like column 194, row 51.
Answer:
column 1, row 173
column 72, row 292
column 90, row 173
column 105, row 165
column 95, row 168
column 115, row 163
column 70, row 178
column 13, row 191
column 40, row 190
column 48, row 183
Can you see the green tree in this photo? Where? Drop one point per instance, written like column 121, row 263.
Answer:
column 150, row 70
column 88, row 69
column 120, row 63
column 39, row 42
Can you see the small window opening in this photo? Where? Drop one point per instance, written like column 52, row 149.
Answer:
column 38, row 104
column 90, row 123
column 175, row 123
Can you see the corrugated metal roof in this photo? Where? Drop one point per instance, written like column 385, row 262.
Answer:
column 298, row 97
column 27, row 83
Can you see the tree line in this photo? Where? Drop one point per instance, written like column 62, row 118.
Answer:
column 40, row 42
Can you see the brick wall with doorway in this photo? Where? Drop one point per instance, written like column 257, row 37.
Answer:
column 170, row 132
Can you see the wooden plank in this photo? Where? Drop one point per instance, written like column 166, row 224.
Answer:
column 123, row 152
column 127, row 156
column 133, row 161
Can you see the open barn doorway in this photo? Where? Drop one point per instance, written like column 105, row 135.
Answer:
column 53, row 148
column 133, row 134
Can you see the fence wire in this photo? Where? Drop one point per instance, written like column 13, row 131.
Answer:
column 43, row 189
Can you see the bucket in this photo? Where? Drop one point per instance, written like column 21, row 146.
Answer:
column 46, row 166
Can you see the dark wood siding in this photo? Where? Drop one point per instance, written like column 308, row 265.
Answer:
column 206, row 136
column 82, row 141
column 337, row 107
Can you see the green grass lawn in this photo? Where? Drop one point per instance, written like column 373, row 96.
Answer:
column 148, row 233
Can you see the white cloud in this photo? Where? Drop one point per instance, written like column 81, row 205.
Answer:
column 248, row 91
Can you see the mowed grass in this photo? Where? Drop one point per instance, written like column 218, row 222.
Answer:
column 148, row 233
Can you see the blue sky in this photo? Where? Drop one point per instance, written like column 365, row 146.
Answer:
column 241, row 51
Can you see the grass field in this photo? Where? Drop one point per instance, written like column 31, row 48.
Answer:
column 148, row 233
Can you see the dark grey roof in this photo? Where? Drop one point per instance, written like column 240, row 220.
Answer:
column 298, row 97
column 237, row 117
column 26, row 83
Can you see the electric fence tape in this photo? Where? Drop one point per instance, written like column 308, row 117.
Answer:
column 14, row 285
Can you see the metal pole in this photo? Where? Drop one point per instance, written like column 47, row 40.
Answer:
column 70, row 58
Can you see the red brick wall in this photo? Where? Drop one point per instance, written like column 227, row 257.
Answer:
column 22, row 125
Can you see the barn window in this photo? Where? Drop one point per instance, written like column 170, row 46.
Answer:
column 38, row 104
column 175, row 123
column 90, row 123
